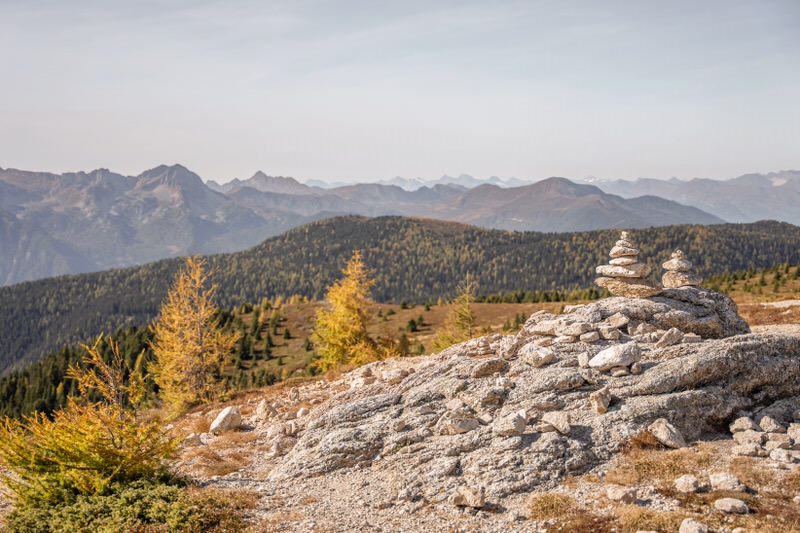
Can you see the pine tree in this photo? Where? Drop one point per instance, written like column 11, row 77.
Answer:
column 340, row 333
column 188, row 345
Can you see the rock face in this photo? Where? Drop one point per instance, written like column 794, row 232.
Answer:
column 678, row 272
column 493, row 413
column 625, row 275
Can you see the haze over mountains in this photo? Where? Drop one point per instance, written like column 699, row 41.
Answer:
column 53, row 224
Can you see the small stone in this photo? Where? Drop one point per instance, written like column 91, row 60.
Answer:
column 536, row 356
column 616, row 493
column 454, row 405
column 619, row 371
column 770, row 425
column 600, row 400
column 667, row 434
column 749, row 449
column 642, row 329
column 456, row 426
column 670, row 338
column 565, row 339
column 725, row 481
column 673, row 280
column 778, row 441
column 744, row 423
column 608, row 333
column 634, row 270
column 543, row 341
column 303, row 411
column 687, row 484
column 623, row 251
column 783, row 456
column 628, row 287
column 488, row 367
column 591, row 336
column 677, row 263
column 575, row 329
column 689, row 525
column 623, row 261
column 731, row 505
column 485, row 419
column 794, row 431
column 636, row 368
column 617, row 320
column 583, row 360
column 691, row 338
column 228, row 419
column 511, row 425
column 469, row 497
column 749, row 436
column 282, row 445
column 558, row 420
column 618, row 355
column 400, row 425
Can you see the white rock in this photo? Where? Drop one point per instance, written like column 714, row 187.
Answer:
column 794, row 431
column 670, row 338
column 667, row 434
column 558, row 420
column 616, row 493
column 488, row 367
column 783, row 456
column 687, row 484
column 749, row 436
column 583, row 360
column 536, row 356
column 565, row 339
column 619, row 371
column 731, row 505
column 600, row 400
column 633, row 270
column 609, row 333
column 744, row 423
column 511, row 425
column 725, row 481
column 618, row 355
column 749, row 449
column 617, row 320
column 689, row 525
column 591, row 336
column 228, row 419
column 575, row 329
column 469, row 497
column 770, row 425
column 303, row 411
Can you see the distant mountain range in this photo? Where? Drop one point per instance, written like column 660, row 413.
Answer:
column 747, row 198
column 54, row 224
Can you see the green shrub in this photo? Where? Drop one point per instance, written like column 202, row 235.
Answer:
column 140, row 506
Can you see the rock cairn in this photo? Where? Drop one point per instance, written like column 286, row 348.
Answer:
column 624, row 275
column 678, row 272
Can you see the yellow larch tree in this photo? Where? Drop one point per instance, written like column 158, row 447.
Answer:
column 188, row 346
column 340, row 332
column 459, row 324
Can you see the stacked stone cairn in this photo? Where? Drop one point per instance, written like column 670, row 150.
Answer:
column 625, row 274
column 678, row 272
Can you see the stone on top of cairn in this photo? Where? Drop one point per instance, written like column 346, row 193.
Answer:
column 678, row 272
column 624, row 275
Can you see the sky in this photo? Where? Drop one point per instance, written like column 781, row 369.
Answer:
column 370, row 90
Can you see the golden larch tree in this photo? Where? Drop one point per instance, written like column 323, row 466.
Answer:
column 459, row 324
column 189, row 347
column 340, row 332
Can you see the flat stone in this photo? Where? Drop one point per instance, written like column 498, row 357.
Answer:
column 536, row 356
column 623, row 261
column 511, row 425
column 749, row 449
column 574, row 329
column 583, row 360
column 592, row 336
column 667, row 434
column 635, row 270
column 623, row 251
column 725, row 481
column 744, row 423
column 488, row 367
column 690, row 338
column 777, row 441
column 731, row 506
column 783, row 456
column 619, row 371
column 617, row 355
column 750, row 436
column 690, row 525
column 670, row 338
column 628, row 289
column 565, row 339
column 673, row 280
column 677, row 263
column 456, row 426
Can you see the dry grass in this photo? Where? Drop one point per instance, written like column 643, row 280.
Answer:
column 547, row 505
column 660, row 467
column 631, row 518
column 210, row 463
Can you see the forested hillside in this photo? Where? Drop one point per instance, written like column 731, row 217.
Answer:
column 411, row 259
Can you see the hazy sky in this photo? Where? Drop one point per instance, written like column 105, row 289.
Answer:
column 370, row 90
